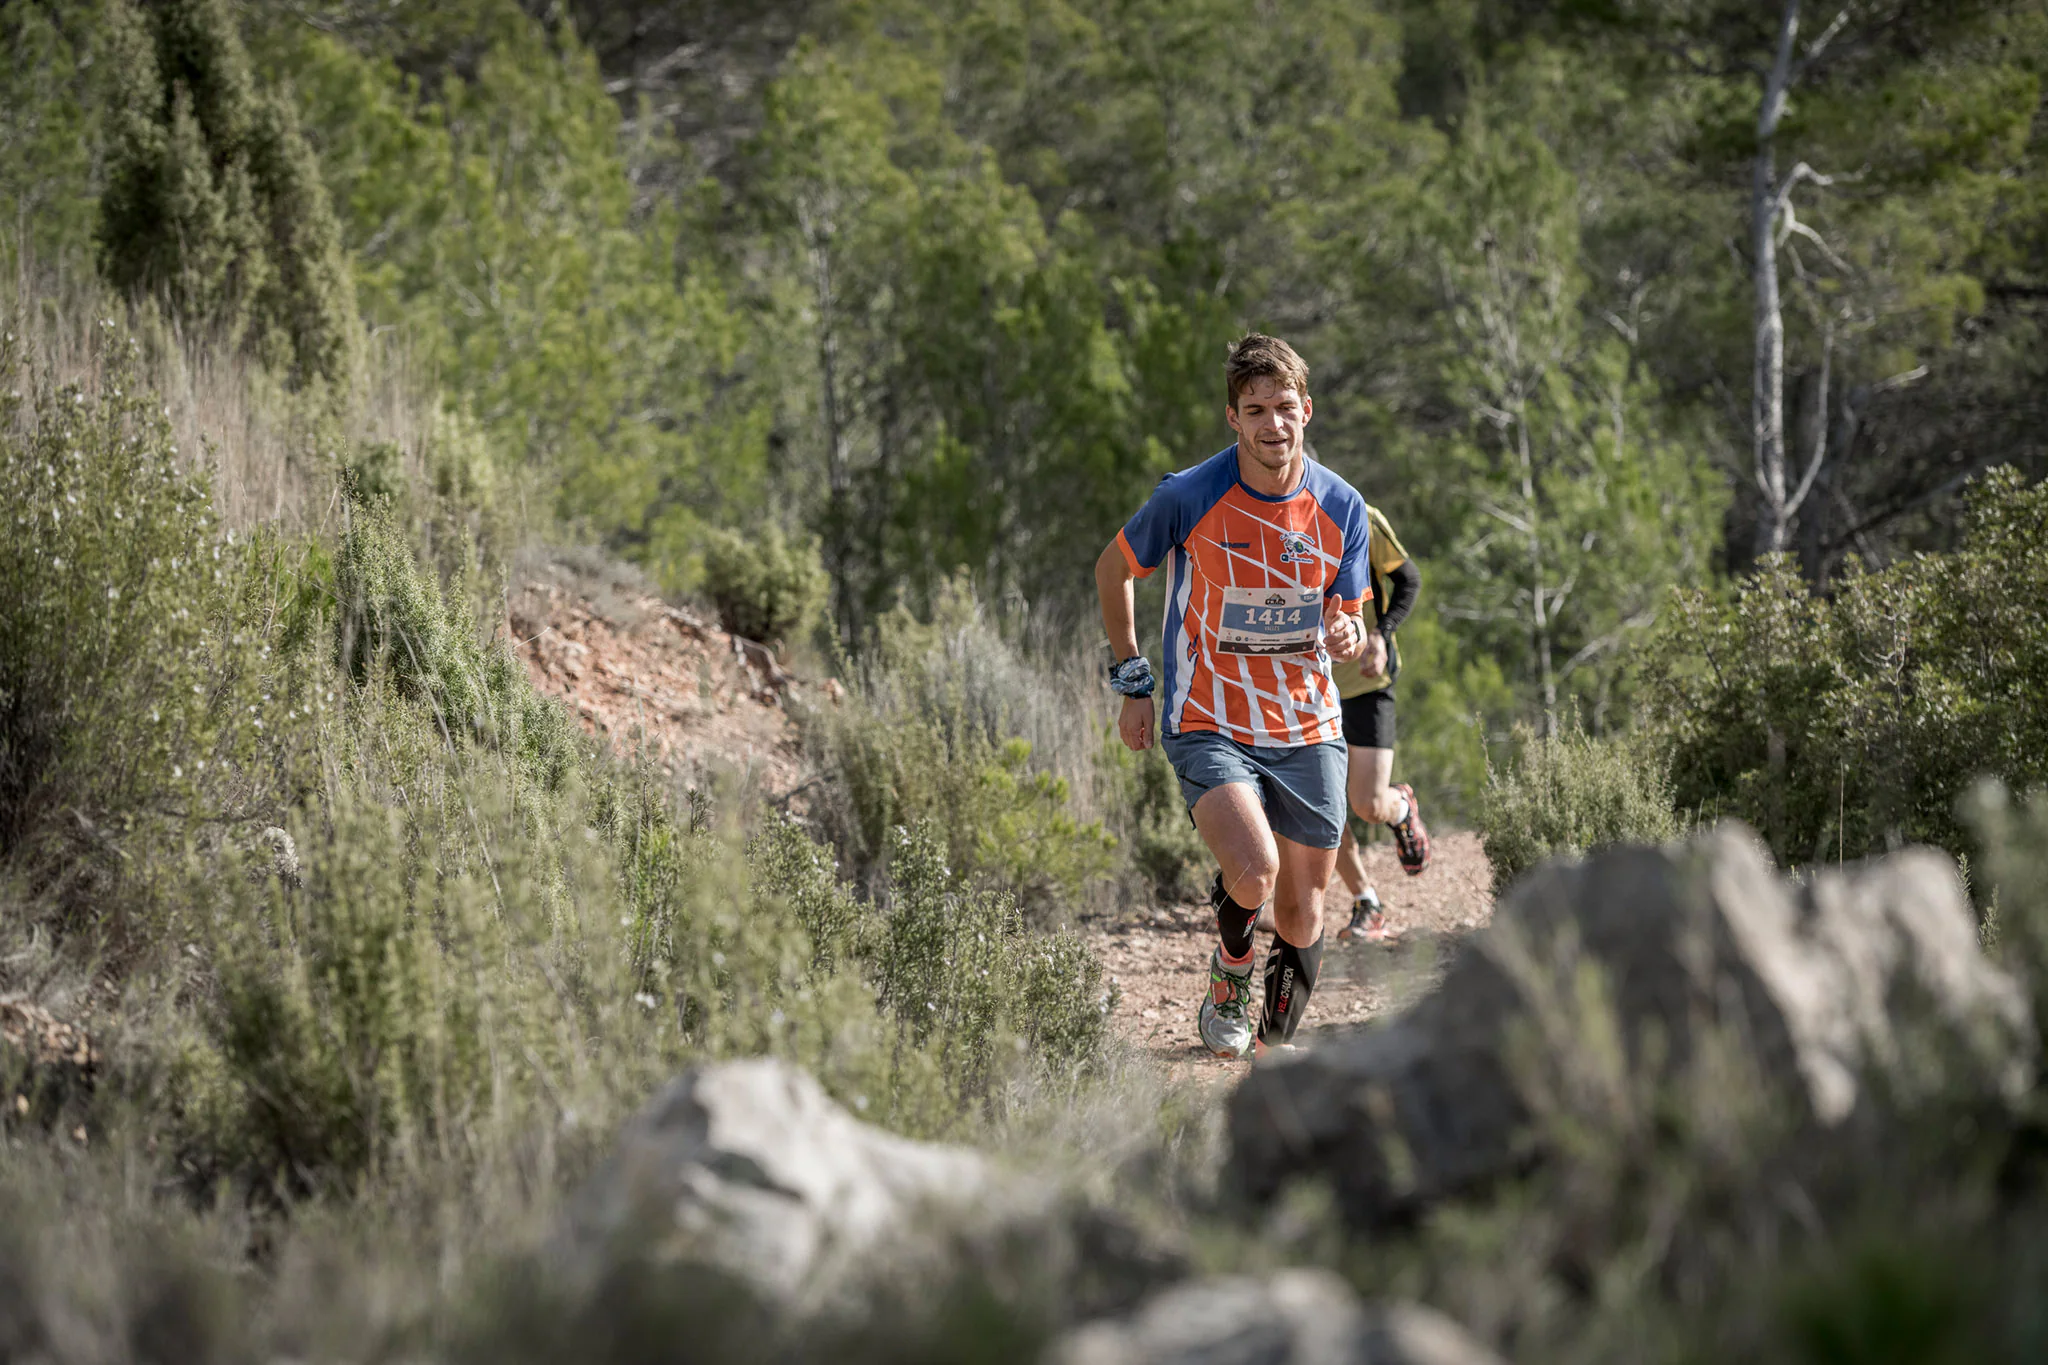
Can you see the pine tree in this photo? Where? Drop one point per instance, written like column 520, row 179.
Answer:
column 214, row 201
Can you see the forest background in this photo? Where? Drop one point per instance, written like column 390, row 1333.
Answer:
column 1694, row 349
column 944, row 287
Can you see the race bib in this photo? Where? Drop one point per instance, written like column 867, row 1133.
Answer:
column 1270, row 621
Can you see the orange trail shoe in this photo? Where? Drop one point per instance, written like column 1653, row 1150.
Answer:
column 1411, row 836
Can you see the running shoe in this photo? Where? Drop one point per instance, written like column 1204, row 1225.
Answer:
column 1225, row 1028
column 1368, row 919
column 1411, row 837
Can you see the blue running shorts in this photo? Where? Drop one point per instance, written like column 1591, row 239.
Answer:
column 1301, row 786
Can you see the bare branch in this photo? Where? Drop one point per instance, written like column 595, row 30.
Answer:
column 1820, row 44
column 1820, row 432
column 1792, row 225
column 1803, row 173
column 1596, row 647
column 1507, row 518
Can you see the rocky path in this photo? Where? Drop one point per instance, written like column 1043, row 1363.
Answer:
column 1160, row 957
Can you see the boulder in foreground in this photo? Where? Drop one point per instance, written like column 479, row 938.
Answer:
column 749, row 1168
column 1868, row 970
column 1293, row 1317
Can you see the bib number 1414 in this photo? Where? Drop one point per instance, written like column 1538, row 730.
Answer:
column 1270, row 620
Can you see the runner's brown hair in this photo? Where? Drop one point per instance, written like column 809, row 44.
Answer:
column 1258, row 356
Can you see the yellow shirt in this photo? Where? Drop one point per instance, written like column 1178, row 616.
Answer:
column 1385, row 556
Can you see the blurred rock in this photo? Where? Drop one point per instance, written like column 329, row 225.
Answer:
column 284, row 854
column 750, row 1171
column 1293, row 1317
column 1813, row 985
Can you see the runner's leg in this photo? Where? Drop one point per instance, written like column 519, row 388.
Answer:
column 1368, row 776
column 1350, row 863
column 1297, row 954
column 1233, row 824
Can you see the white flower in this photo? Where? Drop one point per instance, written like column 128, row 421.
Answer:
column 644, row 1000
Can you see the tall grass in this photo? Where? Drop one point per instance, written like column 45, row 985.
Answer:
column 271, row 453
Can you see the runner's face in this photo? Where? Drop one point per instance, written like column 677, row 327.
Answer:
column 1269, row 420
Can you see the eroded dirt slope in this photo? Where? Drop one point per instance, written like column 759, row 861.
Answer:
column 656, row 679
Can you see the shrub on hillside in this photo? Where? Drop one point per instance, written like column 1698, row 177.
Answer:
column 1565, row 795
column 128, row 686
column 1850, row 723
column 1165, row 849
column 394, row 620
column 947, row 721
column 765, row 585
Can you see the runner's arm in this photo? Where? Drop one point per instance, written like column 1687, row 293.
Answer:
column 1404, row 585
column 1119, row 616
column 1113, row 575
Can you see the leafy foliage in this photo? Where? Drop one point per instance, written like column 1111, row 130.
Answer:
column 766, row 586
column 1842, row 725
column 213, row 200
column 1565, row 795
column 933, row 733
column 129, row 688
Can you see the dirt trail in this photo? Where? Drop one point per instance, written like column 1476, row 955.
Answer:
column 1160, row 959
column 695, row 699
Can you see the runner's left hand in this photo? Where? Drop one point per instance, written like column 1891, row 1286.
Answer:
column 1343, row 636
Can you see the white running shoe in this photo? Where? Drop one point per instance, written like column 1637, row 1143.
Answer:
column 1222, row 1021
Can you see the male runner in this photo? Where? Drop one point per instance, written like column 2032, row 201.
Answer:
column 1366, row 685
column 1266, row 554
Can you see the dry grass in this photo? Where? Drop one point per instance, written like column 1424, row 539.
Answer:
column 273, row 453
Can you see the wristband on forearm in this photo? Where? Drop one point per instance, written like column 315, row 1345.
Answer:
column 1132, row 677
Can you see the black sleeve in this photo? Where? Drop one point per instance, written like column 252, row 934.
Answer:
column 1404, row 585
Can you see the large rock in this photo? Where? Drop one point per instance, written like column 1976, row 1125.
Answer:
column 1811, row 987
column 749, row 1171
column 1294, row 1317
column 749, row 1168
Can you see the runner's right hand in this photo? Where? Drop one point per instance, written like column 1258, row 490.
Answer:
column 1134, row 724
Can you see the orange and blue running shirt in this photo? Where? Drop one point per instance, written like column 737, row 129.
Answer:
column 1244, row 603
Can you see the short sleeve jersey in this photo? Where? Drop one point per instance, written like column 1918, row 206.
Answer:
column 1247, row 578
column 1385, row 556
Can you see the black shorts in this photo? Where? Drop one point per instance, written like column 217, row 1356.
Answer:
column 1369, row 719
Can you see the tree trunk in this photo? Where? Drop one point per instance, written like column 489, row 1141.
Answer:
column 1767, row 399
column 838, row 515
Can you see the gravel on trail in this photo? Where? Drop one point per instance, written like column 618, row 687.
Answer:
column 1159, row 955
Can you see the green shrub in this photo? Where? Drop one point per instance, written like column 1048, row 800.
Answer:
column 1004, row 824
column 949, row 722
column 1563, row 796
column 394, row 620
column 130, row 686
column 213, row 199
column 1847, row 724
column 765, row 585
column 960, row 972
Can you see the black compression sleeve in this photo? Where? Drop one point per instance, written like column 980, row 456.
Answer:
column 1404, row 585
